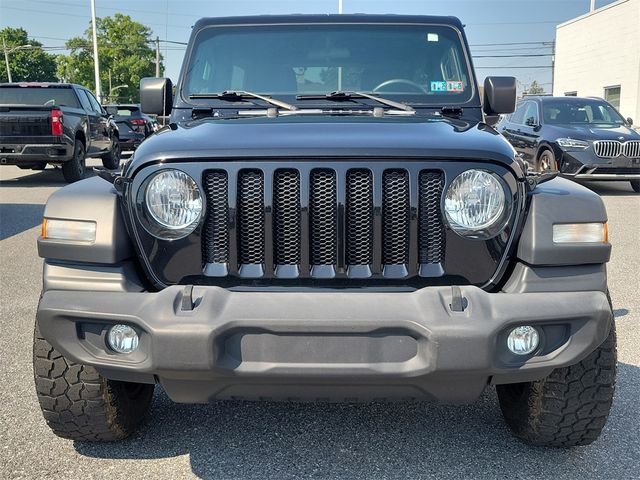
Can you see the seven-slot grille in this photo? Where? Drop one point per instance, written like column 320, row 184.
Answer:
column 323, row 223
column 614, row 148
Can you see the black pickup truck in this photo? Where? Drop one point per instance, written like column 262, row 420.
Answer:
column 55, row 123
column 328, row 216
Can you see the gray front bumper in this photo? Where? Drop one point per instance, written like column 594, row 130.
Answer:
column 329, row 345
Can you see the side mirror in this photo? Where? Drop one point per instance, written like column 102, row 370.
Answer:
column 499, row 95
column 630, row 121
column 156, row 95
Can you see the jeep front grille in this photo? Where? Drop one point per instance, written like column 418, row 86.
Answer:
column 323, row 223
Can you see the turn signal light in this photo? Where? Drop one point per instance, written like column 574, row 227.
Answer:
column 581, row 233
column 68, row 230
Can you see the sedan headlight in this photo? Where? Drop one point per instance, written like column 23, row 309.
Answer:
column 572, row 143
column 172, row 203
column 476, row 205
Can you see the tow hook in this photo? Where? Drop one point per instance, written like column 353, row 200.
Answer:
column 458, row 302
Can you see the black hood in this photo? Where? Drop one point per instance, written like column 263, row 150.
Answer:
column 424, row 137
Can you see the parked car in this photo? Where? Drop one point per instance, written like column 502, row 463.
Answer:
column 301, row 243
column 55, row 123
column 134, row 125
column 582, row 138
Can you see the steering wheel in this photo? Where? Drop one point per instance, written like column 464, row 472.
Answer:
column 402, row 81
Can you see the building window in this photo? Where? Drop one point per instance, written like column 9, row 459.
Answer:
column 570, row 94
column 612, row 95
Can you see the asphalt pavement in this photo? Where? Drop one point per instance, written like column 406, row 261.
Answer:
column 270, row 440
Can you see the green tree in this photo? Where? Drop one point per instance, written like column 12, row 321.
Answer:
column 27, row 65
column 125, row 56
column 535, row 88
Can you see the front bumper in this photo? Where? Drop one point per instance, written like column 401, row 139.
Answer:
column 324, row 345
column 585, row 165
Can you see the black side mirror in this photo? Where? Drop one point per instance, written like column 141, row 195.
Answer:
column 156, row 95
column 499, row 95
column 630, row 121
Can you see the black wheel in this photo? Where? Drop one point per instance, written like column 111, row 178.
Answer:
column 546, row 162
column 75, row 169
column 570, row 406
column 80, row 404
column 112, row 159
column 635, row 184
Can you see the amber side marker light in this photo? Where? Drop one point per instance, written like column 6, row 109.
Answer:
column 581, row 233
column 80, row 231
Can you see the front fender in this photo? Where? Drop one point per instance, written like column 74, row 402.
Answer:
column 555, row 202
column 93, row 199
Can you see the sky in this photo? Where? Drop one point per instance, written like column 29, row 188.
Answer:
column 494, row 28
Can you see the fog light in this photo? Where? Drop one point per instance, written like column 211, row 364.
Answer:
column 523, row 340
column 122, row 339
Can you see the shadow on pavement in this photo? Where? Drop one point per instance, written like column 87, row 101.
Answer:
column 270, row 440
column 16, row 218
column 51, row 177
column 611, row 189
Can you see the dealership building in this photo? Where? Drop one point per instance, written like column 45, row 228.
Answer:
column 598, row 55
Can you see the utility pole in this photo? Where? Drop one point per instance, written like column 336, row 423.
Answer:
column 593, row 5
column 157, row 56
column 340, row 7
column 96, row 63
column 6, row 59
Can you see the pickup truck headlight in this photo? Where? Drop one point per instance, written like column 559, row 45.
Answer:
column 476, row 205
column 173, row 202
column 572, row 144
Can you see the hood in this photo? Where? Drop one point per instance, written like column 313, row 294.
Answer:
column 596, row 132
column 297, row 136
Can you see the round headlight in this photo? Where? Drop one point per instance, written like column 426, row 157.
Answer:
column 476, row 205
column 173, row 200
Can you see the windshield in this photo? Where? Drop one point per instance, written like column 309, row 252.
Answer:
column 422, row 64
column 580, row 112
column 38, row 96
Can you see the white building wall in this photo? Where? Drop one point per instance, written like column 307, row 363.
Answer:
column 601, row 49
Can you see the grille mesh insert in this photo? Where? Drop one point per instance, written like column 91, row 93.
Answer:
column 431, row 233
column 359, row 217
column 286, row 217
column 216, row 234
column 323, row 212
column 395, row 217
column 251, row 217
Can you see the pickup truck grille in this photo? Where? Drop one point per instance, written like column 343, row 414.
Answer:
column 323, row 223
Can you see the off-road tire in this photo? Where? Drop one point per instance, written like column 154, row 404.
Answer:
column 111, row 160
column 75, row 169
column 80, row 404
column 635, row 184
column 569, row 407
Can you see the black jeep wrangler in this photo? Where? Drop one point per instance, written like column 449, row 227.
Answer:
column 329, row 216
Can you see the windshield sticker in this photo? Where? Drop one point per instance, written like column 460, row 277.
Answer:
column 432, row 37
column 455, row 86
column 438, row 86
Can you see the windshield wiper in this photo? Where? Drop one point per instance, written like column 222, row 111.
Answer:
column 349, row 95
column 240, row 95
